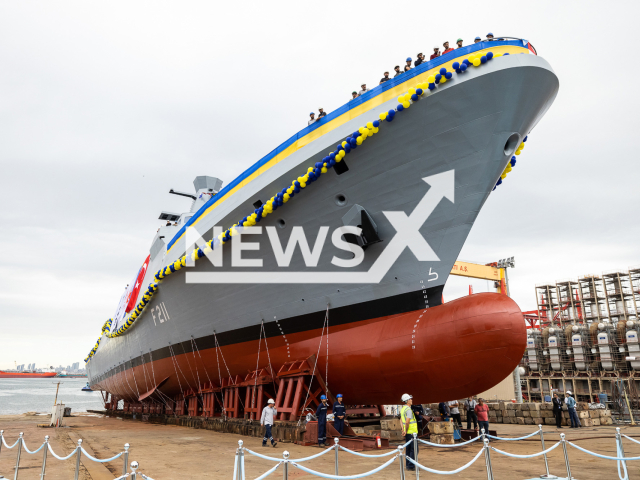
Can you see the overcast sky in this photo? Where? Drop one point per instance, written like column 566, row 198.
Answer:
column 105, row 106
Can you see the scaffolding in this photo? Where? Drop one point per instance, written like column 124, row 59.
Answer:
column 586, row 338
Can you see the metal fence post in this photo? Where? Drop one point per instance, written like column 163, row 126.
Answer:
column 15, row 475
column 415, row 454
column 619, row 441
column 546, row 463
column 134, row 467
column 126, row 459
column 285, row 465
column 566, row 456
column 240, row 473
column 487, row 459
column 44, row 456
column 78, row 453
column 336, row 440
column 401, row 456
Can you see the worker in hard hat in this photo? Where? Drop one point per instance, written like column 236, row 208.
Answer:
column 321, row 415
column 268, row 416
column 339, row 413
column 409, row 427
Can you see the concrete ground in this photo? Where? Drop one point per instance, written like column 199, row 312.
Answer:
column 170, row 452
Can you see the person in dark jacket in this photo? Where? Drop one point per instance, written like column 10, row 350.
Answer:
column 321, row 415
column 557, row 410
column 339, row 414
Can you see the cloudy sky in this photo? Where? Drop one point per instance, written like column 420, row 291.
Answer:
column 105, row 106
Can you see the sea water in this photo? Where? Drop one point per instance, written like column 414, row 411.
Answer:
column 21, row 395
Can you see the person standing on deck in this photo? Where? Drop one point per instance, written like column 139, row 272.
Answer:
column 339, row 414
column 321, row 415
column 268, row 415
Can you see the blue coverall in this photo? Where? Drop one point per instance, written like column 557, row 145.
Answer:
column 321, row 415
column 339, row 409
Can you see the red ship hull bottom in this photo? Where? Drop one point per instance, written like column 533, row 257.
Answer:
column 26, row 375
column 458, row 349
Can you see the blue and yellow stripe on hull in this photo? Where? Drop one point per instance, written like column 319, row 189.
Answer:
column 367, row 102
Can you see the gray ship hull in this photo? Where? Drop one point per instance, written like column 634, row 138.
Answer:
column 462, row 128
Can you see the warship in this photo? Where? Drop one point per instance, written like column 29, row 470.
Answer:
column 343, row 239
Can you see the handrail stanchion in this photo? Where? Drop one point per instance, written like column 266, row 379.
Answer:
column 566, row 456
column 44, row 456
column 126, row 459
column 134, row 467
column 1, row 437
column 78, row 453
column 621, row 450
column 336, row 440
column 20, row 440
column 401, row 457
column 487, row 459
column 546, row 463
column 285, row 465
column 415, row 454
column 240, row 453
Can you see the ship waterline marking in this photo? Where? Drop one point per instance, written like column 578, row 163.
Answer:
column 407, row 235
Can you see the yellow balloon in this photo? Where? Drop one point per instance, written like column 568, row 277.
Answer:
column 401, row 99
column 371, row 132
column 310, row 169
column 344, row 144
column 443, row 80
column 521, row 146
column 503, row 176
column 518, row 152
column 365, row 131
column 361, row 130
column 431, row 79
column 323, row 169
column 406, row 104
column 375, row 129
column 369, row 125
column 383, row 116
column 412, row 91
column 476, row 62
column 359, row 140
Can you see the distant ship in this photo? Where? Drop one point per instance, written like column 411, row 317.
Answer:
column 5, row 374
column 428, row 173
column 71, row 375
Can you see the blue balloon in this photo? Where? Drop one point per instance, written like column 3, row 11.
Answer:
column 438, row 78
column 317, row 165
column 418, row 91
column 296, row 189
column 463, row 67
column 448, row 75
column 376, row 123
column 458, row 71
column 347, row 147
column 389, row 118
column 443, row 71
column 332, row 156
column 494, row 188
column 455, row 65
column 432, row 86
column 513, row 158
column 489, row 55
column 353, row 142
column 499, row 181
column 505, row 54
column 297, row 183
column 483, row 59
column 414, row 97
column 400, row 107
column 525, row 139
column 318, row 172
column 332, row 162
column 513, row 162
column 466, row 62
column 354, row 146
column 338, row 147
column 391, row 113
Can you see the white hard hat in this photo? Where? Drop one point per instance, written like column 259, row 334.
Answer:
column 406, row 397
column 569, row 392
column 271, row 400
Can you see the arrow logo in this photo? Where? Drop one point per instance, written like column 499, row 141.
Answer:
column 407, row 227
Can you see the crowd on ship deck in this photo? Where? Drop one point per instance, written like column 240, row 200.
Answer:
column 420, row 58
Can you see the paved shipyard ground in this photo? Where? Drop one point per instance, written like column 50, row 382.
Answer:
column 168, row 452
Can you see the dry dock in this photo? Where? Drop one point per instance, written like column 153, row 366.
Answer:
column 167, row 452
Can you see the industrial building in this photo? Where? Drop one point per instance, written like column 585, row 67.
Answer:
column 583, row 337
